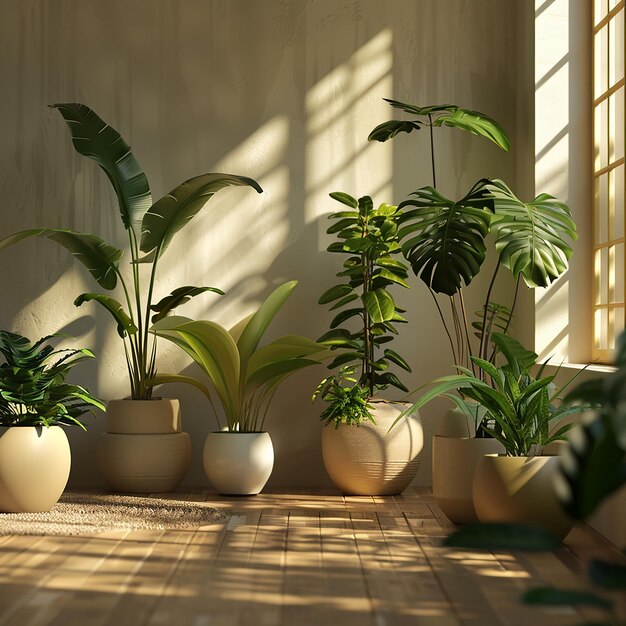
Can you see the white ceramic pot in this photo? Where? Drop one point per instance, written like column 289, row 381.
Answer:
column 144, row 450
column 34, row 468
column 454, row 463
column 238, row 464
column 519, row 489
column 368, row 459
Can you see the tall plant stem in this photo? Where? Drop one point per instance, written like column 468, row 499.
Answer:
column 432, row 150
column 508, row 322
column 482, row 347
column 445, row 326
column 457, row 330
column 470, row 363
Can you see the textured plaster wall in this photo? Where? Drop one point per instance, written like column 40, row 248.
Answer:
column 283, row 91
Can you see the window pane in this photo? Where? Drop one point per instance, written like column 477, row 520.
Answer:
column 616, row 286
column 601, row 323
column 601, row 54
column 616, row 126
column 616, row 47
column 602, row 209
column 601, row 129
column 616, row 203
column 619, row 320
column 600, row 9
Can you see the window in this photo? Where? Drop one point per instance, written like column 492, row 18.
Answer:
column 608, row 141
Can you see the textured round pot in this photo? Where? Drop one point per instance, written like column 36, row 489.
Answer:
column 454, row 463
column 368, row 460
column 519, row 489
column 238, row 463
column 144, row 450
column 34, row 468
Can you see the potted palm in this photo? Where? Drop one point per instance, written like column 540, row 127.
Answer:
column 35, row 402
column 243, row 378
column 359, row 454
column 144, row 449
column 445, row 241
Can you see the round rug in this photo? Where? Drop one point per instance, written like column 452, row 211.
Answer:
column 88, row 513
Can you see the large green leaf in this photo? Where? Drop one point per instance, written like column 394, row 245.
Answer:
column 388, row 130
column 532, row 237
column 178, row 297
column 94, row 138
column 100, row 259
column 443, row 239
column 256, row 327
column 162, row 379
column 173, row 211
column 125, row 324
column 379, row 304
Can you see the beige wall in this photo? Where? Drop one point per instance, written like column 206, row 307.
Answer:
column 284, row 91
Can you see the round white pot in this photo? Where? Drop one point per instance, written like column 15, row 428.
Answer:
column 238, row 464
column 454, row 463
column 368, row 459
column 34, row 468
column 144, row 450
column 519, row 489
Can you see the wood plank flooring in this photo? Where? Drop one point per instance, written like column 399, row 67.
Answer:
column 288, row 559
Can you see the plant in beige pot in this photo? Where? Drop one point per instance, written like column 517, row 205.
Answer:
column 361, row 456
column 446, row 243
column 243, row 378
column 35, row 402
column 144, row 449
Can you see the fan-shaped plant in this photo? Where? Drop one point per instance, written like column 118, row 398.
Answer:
column 150, row 227
column 33, row 391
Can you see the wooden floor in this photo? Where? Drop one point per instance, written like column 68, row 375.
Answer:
column 287, row 559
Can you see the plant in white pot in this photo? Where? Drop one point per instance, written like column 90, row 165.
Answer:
column 445, row 241
column 243, row 376
column 144, row 449
column 360, row 455
column 523, row 411
column 35, row 402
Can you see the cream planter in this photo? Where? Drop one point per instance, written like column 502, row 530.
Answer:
column 454, row 463
column 368, row 460
column 34, row 468
column 519, row 489
column 238, row 463
column 144, row 450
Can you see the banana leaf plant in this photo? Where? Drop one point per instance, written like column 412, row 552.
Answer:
column 150, row 226
column 33, row 390
column 367, row 313
column 242, row 375
column 444, row 239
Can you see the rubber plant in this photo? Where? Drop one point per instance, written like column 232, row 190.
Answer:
column 444, row 239
column 33, row 390
column 150, row 227
column 367, row 313
column 242, row 375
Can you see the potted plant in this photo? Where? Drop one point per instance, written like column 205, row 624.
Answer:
column 35, row 401
column 144, row 449
column 444, row 240
column 243, row 376
column 359, row 454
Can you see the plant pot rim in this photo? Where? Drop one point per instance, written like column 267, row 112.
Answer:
column 496, row 455
column 239, row 432
column 129, row 399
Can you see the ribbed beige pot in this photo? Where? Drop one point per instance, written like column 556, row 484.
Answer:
column 519, row 489
column 34, row 468
column 144, row 450
column 368, row 460
column 238, row 464
column 454, row 463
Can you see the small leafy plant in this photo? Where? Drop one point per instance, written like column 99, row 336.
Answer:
column 33, row 391
column 243, row 376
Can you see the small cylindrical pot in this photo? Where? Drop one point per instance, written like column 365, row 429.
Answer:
column 144, row 450
column 519, row 489
column 34, row 468
column 370, row 459
column 454, row 463
column 238, row 463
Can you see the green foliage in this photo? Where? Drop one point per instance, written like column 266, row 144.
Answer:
column 157, row 224
column 33, row 391
column 242, row 375
column 347, row 404
column 502, row 536
column 368, row 237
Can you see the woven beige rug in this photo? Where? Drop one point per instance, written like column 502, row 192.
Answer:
column 87, row 513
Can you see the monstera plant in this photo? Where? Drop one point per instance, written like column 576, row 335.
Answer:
column 150, row 227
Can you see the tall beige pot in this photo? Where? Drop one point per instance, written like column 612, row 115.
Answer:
column 519, row 489
column 454, row 463
column 144, row 450
column 34, row 468
column 368, row 460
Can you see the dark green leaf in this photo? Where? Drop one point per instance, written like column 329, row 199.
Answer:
column 557, row 597
column 503, row 536
column 390, row 129
column 125, row 324
column 608, row 575
column 344, row 198
column 334, row 293
column 179, row 296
